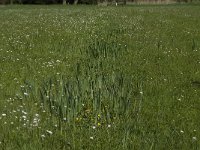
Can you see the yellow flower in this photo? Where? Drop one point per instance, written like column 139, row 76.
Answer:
column 99, row 124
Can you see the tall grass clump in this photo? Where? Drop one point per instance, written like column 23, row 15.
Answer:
column 95, row 93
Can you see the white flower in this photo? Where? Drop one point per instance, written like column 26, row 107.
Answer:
column 36, row 121
column 26, row 94
column 194, row 138
column 3, row 115
column 25, row 113
column 93, row 127
column 24, row 117
column 182, row 131
column 50, row 132
column 43, row 136
column 91, row 137
column 109, row 126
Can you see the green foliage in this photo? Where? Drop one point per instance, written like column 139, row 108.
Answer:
column 99, row 77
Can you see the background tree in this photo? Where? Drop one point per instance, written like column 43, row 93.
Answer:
column 64, row 2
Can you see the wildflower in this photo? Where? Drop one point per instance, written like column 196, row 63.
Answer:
column 99, row 124
column 24, row 117
column 182, row 131
column 25, row 113
column 194, row 138
column 3, row 115
column 50, row 132
column 109, row 126
column 58, row 61
column 92, row 138
column 93, row 127
column 36, row 121
column 43, row 136
column 26, row 94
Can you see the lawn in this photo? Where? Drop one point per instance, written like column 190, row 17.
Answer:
column 89, row 77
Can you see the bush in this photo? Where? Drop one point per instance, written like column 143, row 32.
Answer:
column 87, row 2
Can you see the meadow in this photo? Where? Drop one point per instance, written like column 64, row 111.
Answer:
column 89, row 77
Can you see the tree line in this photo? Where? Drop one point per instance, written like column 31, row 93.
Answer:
column 33, row 1
column 77, row 1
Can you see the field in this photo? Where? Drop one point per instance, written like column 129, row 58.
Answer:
column 89, row 77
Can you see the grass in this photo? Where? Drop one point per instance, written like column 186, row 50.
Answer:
column 91, row 77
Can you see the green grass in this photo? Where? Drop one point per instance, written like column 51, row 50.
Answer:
column 91, row 77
